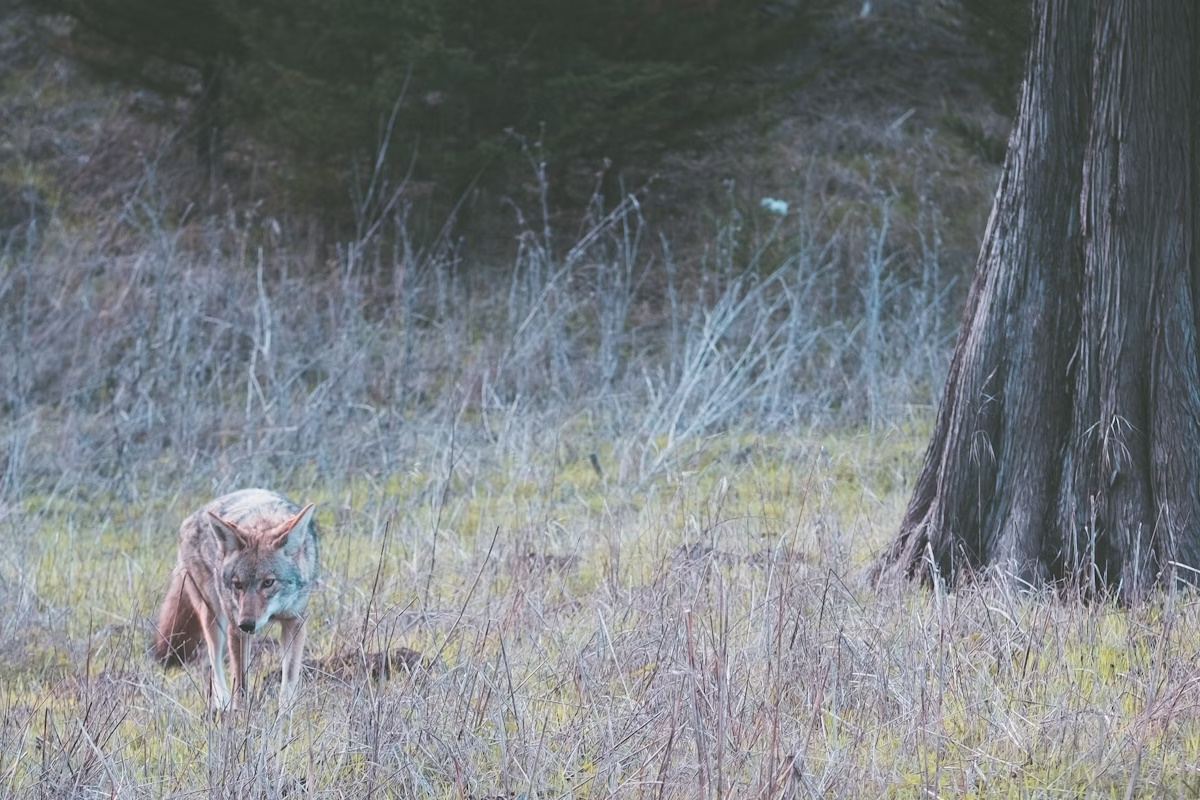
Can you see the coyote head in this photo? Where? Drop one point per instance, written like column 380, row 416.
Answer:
column 259, row 569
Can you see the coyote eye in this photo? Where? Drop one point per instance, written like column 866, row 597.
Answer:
column 237, row 584
column 268, row 583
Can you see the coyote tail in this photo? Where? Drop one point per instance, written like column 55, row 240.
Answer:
column 179, row 634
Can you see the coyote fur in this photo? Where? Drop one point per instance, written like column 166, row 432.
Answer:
column 244, row 559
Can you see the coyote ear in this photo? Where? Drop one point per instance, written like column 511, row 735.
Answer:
column 229, row 538
column 290, row 534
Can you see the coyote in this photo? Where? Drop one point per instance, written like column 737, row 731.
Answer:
column 246, row 558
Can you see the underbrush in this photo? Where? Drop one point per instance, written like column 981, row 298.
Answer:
column 205, row 352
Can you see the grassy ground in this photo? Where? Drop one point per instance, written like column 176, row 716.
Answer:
column 706, row 635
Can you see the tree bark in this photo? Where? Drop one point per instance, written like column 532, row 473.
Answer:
column 1067, row 443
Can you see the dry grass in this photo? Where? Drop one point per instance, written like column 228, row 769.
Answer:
column 706, row 636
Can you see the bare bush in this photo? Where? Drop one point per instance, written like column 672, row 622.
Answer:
column 162, row 351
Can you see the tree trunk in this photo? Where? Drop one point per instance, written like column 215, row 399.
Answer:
column 1067, row 444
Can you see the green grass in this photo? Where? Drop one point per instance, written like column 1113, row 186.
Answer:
column 687, row 637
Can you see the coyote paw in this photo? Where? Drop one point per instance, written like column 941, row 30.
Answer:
column 288, row 696
column 221, row 700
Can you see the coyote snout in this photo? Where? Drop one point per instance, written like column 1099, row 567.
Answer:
column 248, row 558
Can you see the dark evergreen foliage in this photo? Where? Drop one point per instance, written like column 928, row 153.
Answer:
column 1002, row 28
column 590, row 78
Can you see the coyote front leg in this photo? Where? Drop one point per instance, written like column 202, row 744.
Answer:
column 239, row 664
column 215, row 637
column 291, row 642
